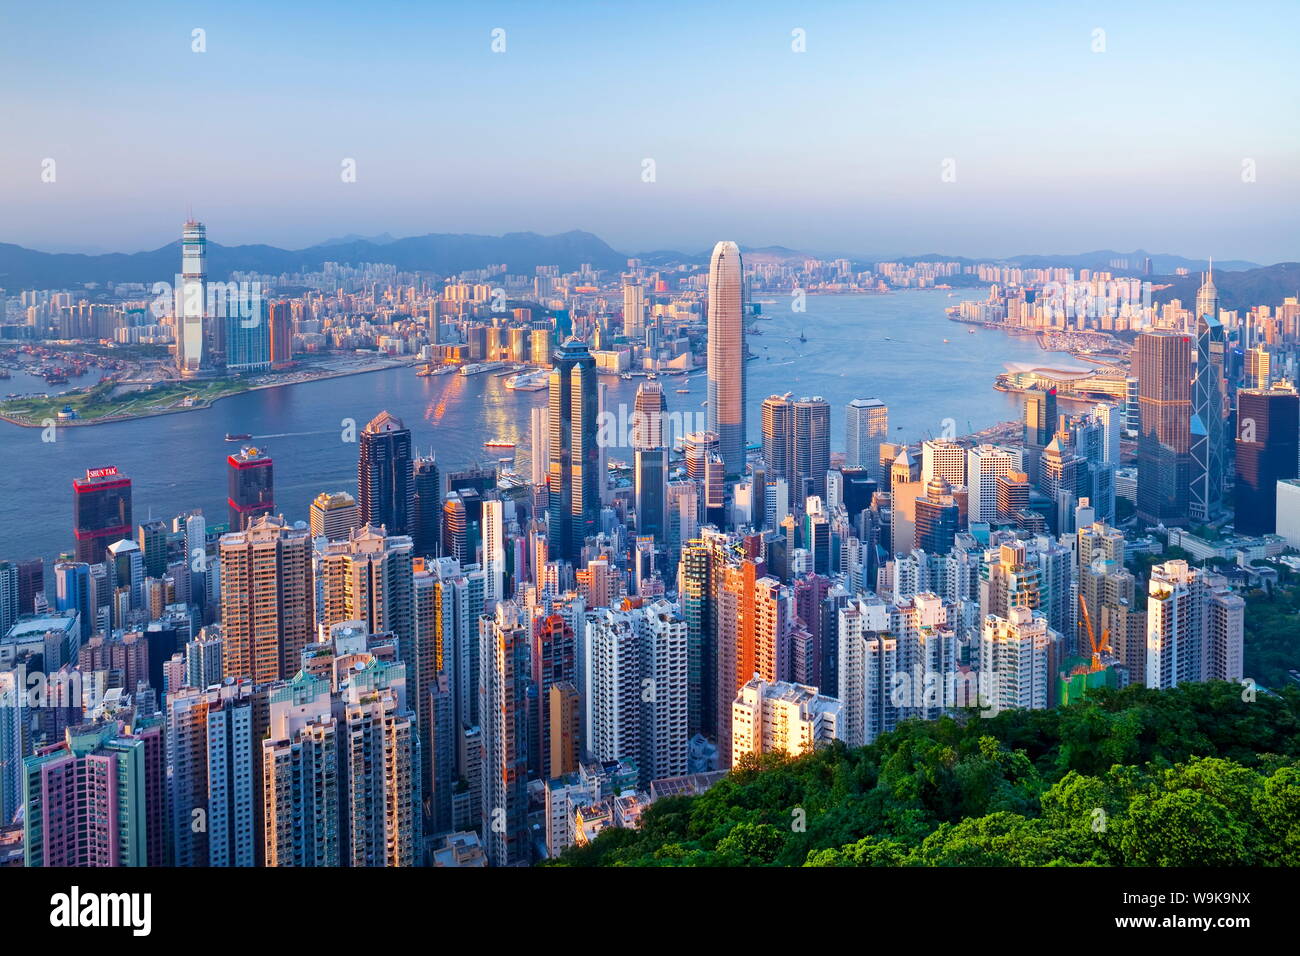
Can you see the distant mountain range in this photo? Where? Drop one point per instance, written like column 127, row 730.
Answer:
column 1240, row 283
column 522, row 252
column 1267, row 285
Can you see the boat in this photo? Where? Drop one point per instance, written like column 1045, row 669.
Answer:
column 530, row 381
column 240, row 437
column 945, row 341
column 498, row 443
column 683, row 391
column 802, row 337
column 970, row 331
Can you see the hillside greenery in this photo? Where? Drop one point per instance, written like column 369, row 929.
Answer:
column 1195, row 776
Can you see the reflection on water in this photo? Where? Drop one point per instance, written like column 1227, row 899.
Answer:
column 889, row 347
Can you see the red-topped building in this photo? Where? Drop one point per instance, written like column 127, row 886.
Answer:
column 251, row 489
column 101, row 511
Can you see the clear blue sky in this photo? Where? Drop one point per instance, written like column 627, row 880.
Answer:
column 837, row 149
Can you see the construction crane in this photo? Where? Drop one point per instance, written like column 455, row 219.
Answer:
column 1097, row 648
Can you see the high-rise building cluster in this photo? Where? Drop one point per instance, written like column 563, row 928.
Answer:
column 459, row 666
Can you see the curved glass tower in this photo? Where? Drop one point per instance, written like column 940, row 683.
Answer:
column 726, row 365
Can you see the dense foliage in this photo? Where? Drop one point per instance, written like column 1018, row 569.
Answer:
column 1195, row 776
column 1272, row 644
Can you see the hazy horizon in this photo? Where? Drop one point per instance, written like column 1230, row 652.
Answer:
column 837, row 149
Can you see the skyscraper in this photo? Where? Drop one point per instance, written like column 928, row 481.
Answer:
column 1195, row 627
column 1268, row 426
column 503, row 694
column 633, row 309
column 426, row 521
column 1209, row 398
column 866, row 426
column 251, row 486
column 778, row 435
column 574, row 479
column 333, row 515
column 726, row 354
column 812, row 448
column 101, row 511
column 193, row 336
column 385, row 485
column 267, row 600
column 1164, row 397
column 1016, row 653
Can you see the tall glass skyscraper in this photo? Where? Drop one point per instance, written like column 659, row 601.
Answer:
column 385, row 483
column 866, row 426
column 574, row 478
column 1163, row 363
column 726, row 360
column 1209, row 396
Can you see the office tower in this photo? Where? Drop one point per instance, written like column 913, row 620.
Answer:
column 782, row 718
column 985, row 464
column 1258, row 372
column 726, row 355
column 152, row 539
column 938, row 518
column 426, row 520
column 866, row 426
column 1288, row 511
column 1060, row 477
column 602, row 447
column 752, row 620
column 713, row 490
column 101, row 512
column 503, row 705
column 539, row 456
column 683, row 513
column 1016, row 654
column 811, row 419
column 554, row 664
column 1195, row 627
column 638, row 688
column 778, row 435
column 696, row 449
column 1112, row 419
column 1209, row 453
column 650, row 417
column 91, row 801
column 385, row 489
column 214, row 775
column 944, row 458
column 251, row 489
column 280, row 319
column 634, row 309
column 455, row 529
column 247, row 332
column 125, row 564
column 867, row 666
column 8, row 596
column 574, row 479
column 494, row 553
column 904, row 489
column 333, row 515
column 1163, row 364
column 564, row 727
column 72, row 593
column 1039, row 425
column 1207, row 296
column 651, row 475
column 1268, row 423
column 267, row 600
column 193, row 335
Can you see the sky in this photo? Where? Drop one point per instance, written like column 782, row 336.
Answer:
column 988, row 129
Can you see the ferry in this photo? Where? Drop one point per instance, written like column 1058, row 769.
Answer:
column 239, row 437
column 498, row 443
column 530, row 381
column 683, row 391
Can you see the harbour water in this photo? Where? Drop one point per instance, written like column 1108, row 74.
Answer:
column 890, row 347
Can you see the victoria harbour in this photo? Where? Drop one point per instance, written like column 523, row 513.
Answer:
column 903, row 335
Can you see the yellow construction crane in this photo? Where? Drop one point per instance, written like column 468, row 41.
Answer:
column 1097, row 648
